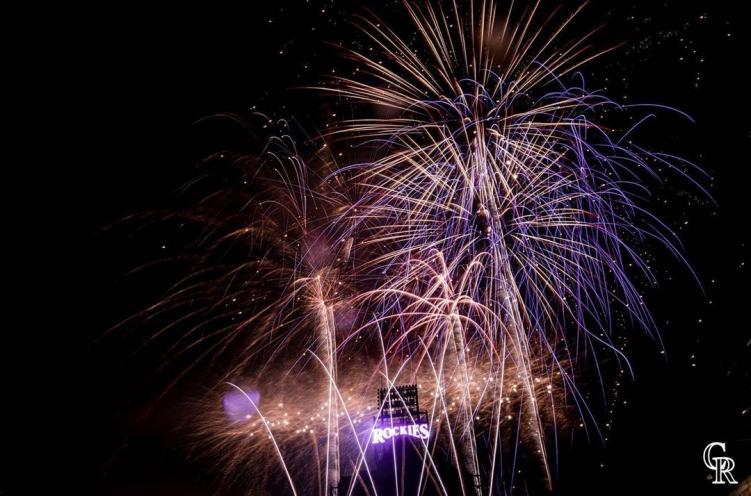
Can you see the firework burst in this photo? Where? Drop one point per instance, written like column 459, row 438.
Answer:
column 479, row 251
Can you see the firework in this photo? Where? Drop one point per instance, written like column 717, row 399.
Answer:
column 480, row 249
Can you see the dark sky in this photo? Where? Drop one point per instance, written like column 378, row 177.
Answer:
column 140, row 95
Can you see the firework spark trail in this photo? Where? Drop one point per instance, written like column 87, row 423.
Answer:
column 478, row 252
column 271, row 437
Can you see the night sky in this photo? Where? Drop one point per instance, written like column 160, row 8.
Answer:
column 154, row 91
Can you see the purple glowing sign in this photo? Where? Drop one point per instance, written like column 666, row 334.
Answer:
column 417, row 430
column 241, row 405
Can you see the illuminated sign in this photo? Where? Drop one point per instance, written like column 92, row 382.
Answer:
column 382, row 434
